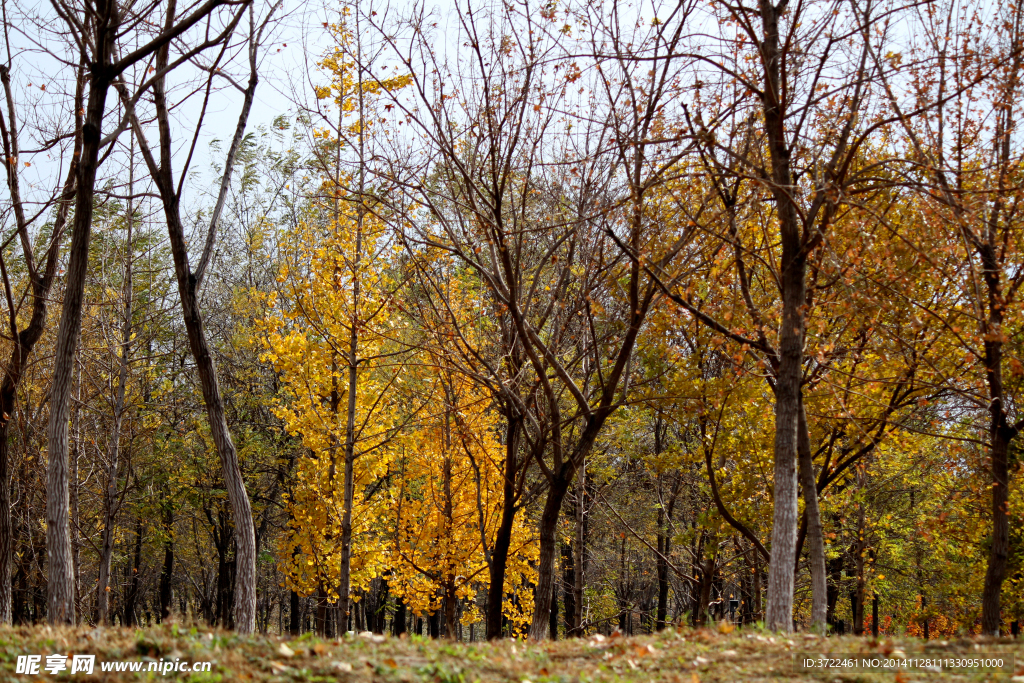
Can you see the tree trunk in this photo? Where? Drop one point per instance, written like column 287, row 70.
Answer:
column 548, row 544
column 60, row 582
column 858, row 591
column 1000, row 435
column 450, row 604
column 320, row 618
column 345, row 577
column 167, row 571
column 244, row 596
column 568, row 581
column 398, row 622
column 707, row 575
column 503, row 535
column 791, row 332
column 132, row 594
column 294, row 614
column 25, row 340
column 661, row 566
column 553, row 620
column 110, row 504
column 579, row 554
column 835, row 570
column 434, row 624
column 815, row 534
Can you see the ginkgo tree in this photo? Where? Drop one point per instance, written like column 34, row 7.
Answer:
column 336, row 281
column 332, row 342
column 447, row 493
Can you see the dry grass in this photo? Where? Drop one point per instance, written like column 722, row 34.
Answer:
column 685, row 656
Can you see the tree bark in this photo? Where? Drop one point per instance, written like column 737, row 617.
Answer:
column 294, row 614
column 110, row 503
column 553, row 618
column 503, row 534
column 60, row 581
column 25, row 340
column 815, row 533
column 558, row 485
column 707, row 575
column 661, row 565
column 398, row 621
column 569, row 596
column 1001, row 433
column 132, row 594
column 244, row 597
column 579, row 549
column 548, row 544
column 791, row 333
column 167, row 570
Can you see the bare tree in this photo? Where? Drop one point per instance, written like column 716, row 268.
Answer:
column 546, row 220
column 780, row 74
column 103, row 34
column 190, row 282
column 40, row 282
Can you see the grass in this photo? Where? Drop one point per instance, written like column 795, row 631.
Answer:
column 683, row 656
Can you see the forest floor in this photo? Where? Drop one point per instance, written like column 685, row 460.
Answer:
column 684, row 656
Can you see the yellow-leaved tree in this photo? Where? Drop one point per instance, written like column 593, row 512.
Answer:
column 331, row 341
column 334, row 343
column 447, row 489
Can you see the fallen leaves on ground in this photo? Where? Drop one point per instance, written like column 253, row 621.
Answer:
column 672, row 656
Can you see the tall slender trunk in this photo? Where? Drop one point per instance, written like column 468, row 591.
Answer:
column 345, row 575
column 835, row 572
column 244, row 596
column 568, row 580
column 791, row 332
column 75, row 454
column 132, row 594
column 707, row 576
column 60, row 581
column 294, row 614
column 353, row 355
column 1001, row 433
column 661, row 566
column 553, row 617
column 580, row 553
column 167, row 569
column 6, row 526
column 25, row 340
column 815, row 533
column 114, row 449
column 664, row 537
column 858, row 560
column 503, row 535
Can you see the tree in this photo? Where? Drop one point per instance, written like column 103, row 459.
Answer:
column 967, row 168
column 25, row 336
column 337, row 285
column 106, row 33
column 189, row 281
